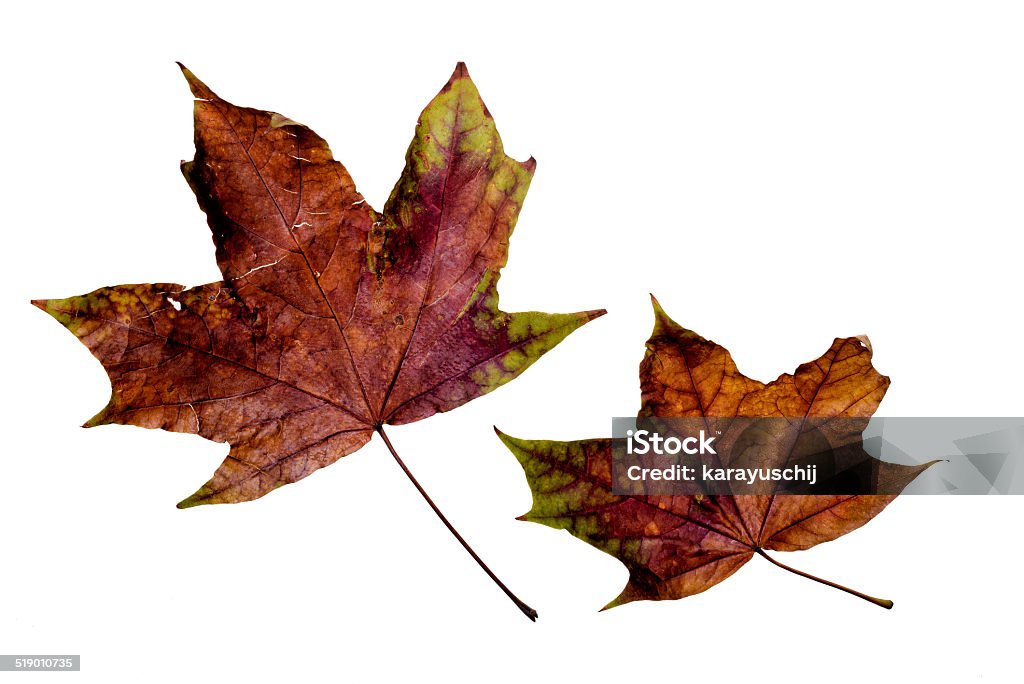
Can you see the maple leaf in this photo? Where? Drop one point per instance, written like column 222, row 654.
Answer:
column 332, row 319
column 677, row 546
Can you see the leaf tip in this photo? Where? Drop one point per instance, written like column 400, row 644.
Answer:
column 505, row 438
column 662, row 321
column 460, row 72
column 655, row 304
column 188, row 503
column 97, row 420
column 631, row 592
column 519, row 447
column 56, row 309
column 201, row 497
column 199, row 89
column 616, row 602
column 186, row 72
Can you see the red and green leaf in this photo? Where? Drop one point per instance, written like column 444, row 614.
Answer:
column 332, row 319
column 677, row 546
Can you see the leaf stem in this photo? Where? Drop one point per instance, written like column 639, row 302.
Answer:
column 527, row 610
column 884, row 603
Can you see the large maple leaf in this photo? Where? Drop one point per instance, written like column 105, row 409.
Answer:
column 332, row 319
column 680, row 545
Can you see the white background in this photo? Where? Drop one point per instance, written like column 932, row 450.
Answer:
column 778, row 174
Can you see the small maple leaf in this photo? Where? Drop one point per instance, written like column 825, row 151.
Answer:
column 677, row 546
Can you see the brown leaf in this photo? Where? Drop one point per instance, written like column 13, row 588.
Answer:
column 677, row 546
column 332, row 319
